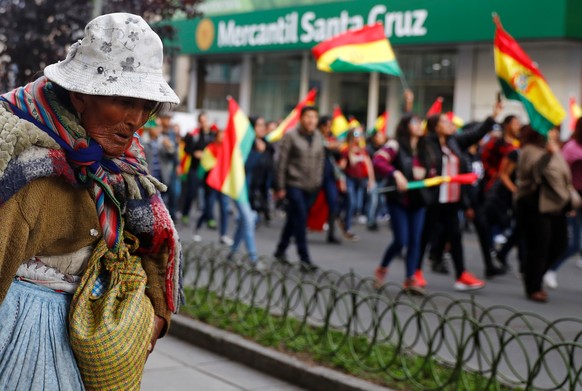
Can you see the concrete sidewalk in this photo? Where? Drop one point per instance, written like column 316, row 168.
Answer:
column 178, row 365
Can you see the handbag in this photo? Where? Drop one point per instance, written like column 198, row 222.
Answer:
column 111, row 319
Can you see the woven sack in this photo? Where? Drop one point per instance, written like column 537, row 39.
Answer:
column 110, row 332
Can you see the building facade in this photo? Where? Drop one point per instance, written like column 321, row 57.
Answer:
column 262, row 57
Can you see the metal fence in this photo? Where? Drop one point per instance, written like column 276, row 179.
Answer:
column 432, row 342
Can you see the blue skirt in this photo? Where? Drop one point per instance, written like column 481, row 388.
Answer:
column 34, row 342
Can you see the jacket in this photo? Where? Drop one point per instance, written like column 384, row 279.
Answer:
column 301, row 161
column 458, row 144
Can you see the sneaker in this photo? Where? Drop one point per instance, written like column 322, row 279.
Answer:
column 440, row 267
column 211, row 224
column 185, row 220
column 259, row 265
column 500, row 240
column 413, row 287
column 351, row 236
column 281, row 257
column 550, row 279
column 197, row 238
column 307, row 267
column 579, row 263
column 468, row 282
column 362, row 219
column 494, row 271
column 373, row 227
column 226, row 240
column 419, row 277
column 379, row 276
column 333, row 240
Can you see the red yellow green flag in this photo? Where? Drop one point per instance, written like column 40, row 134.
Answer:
column 456, row 120
column 354, row 123
column 521, row 80
column 381, row 123
column 339, row 123
column 208, row 160
column 228, row 176
column 463, row 179
column 362, row 50
column 436, row 108
column 293, row 118
column 575, row 113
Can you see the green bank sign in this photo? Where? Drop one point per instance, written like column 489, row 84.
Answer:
column 406, row 22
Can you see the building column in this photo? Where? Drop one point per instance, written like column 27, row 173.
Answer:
column 464, row 83
column 244, row 99
column 304, row 78
column 193, row 86
column 373, row 98
column 393, row 102
column 325, row 94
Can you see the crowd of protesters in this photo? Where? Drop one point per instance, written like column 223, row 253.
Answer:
column 527, row 195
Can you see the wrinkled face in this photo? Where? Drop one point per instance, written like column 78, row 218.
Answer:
column 260, row 127
column 112, row 120
column 309, row 120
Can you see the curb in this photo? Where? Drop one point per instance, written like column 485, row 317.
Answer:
column 266, row 360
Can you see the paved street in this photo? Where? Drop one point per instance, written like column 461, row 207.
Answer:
column 362, row 257
column 177, row 365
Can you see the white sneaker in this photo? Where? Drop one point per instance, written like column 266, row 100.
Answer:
column 500, row 240
column 550, row 279
column 362, row 219
column 226, row 240
column 579, row 263
column 197, row 238
column 259, row 266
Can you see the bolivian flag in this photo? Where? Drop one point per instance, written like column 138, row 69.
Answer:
column 293, row 118
column 339, row 123
column 521, row 80
column 381, row 123
column 462, row 179
column 362, row 50
column 228, row 176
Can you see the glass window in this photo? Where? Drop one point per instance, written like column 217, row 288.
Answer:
column 429, row 76
column 220, row 79
column 275, row 85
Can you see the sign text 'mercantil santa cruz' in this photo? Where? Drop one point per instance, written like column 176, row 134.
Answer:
column 309, row 28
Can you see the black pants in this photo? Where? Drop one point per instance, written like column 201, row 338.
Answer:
column 447, row 216
column 545, row 237
column 484, row 235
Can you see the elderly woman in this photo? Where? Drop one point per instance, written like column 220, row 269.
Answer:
column 73, row 178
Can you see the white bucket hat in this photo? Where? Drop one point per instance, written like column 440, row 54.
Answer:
column 120, row 55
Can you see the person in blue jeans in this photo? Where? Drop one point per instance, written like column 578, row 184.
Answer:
column 245, row 232
column 299, row 178
column 359, row 179
column 211, row 196
column 402, row 160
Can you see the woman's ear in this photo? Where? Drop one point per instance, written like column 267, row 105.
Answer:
column 79, row 101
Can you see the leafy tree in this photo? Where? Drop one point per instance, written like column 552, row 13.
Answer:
column 35, row 33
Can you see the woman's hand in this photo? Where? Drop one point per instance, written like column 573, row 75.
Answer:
column 159, row 324
column 401, row 181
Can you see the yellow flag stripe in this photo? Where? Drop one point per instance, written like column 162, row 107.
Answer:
column 363, row 53
column 534, row 88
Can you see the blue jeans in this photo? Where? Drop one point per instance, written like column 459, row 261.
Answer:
column 407, row 224
column 372, row 205
column 299, row 202
column 211, row 196
column 356, row 190
column 245, row 229
column 574, row 231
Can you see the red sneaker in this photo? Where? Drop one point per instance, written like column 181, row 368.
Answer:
column 379, row 276
column 412, row 286
column 468, row 282
column 419, row 277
